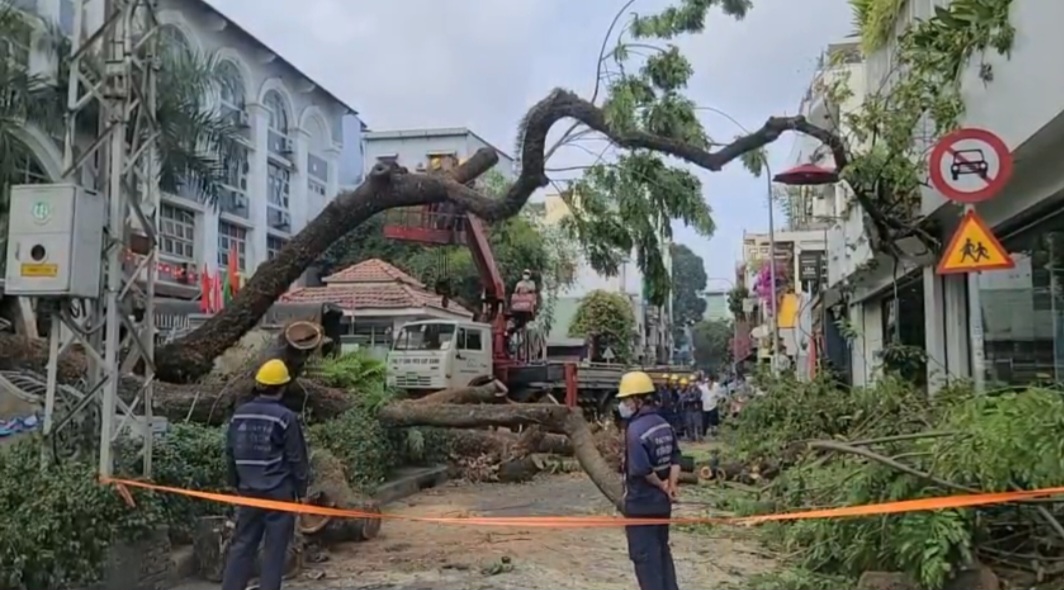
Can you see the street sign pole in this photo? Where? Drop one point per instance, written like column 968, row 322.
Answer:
column 970, row 166
column 975, row 326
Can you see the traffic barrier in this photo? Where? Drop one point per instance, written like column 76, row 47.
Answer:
column 560, row 522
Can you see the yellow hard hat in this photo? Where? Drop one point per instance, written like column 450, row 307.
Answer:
column 635, row 383
column 674, row 377
column 684, row 381
column 273, row 372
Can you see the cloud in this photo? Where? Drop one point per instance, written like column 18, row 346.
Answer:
column 440, row 63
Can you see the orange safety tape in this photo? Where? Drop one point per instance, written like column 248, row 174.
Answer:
column 919, row 505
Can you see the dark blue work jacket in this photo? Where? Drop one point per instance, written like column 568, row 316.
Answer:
column 266, row 448
column 650, row 447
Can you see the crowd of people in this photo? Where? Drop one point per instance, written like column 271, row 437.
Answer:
column 695, row 405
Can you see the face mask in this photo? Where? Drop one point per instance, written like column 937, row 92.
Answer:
column 625, row 410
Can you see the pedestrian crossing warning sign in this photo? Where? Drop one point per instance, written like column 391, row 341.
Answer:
column 974, row 248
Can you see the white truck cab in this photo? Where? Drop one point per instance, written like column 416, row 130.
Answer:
column 439, row 354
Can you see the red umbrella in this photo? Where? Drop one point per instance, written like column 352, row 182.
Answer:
column 806, row 175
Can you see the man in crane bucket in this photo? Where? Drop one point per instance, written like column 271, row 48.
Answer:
column 267, row 457
column 651, row 479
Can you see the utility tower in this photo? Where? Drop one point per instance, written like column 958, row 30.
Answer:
column 113, row 66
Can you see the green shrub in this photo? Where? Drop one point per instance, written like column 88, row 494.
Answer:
column 357, row 438
column 191, row 456
column 58, row 523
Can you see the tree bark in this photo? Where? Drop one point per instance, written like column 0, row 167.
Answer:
column 330, row 488
column 213, row 403
column 483, row 394
column 550, row 418
column 388, row 187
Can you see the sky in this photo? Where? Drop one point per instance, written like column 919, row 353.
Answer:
column 481, row 64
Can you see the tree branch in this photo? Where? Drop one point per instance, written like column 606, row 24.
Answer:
column 388, row 187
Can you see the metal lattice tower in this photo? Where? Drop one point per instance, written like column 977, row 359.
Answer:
column 112, row 73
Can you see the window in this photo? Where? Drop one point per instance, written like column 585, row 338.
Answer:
column 233, row 198
column 317, row 178
column 177, row 232
column 273, row 246
column 277, row 136
column 1023, row 309
column 435, row 336
column 231, row 86
column 28, row 171
column 278, row 186
column 232, row 237
column 172, row 42
column 470, row 339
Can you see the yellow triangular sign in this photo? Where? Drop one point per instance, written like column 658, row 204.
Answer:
column 974, row 248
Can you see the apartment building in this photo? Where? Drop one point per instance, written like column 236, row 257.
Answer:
column 417, row 149
column 909, row 302
column 290, row 165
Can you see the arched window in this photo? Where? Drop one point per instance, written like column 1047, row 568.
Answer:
column 231, row 86
column 29, row 171
column 173, row 42
column 275, row 104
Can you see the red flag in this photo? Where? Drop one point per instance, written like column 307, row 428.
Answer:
column 218, row 301
column 206, row 291
column 234, row 270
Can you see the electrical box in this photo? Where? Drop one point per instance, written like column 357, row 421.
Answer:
column 55, row 241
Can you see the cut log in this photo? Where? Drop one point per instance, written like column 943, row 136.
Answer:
column 330, row 488
column 213, row 403
column 210, row 545
column 550, row 418
column 483, row 394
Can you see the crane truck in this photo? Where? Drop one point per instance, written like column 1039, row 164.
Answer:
column 501, row 342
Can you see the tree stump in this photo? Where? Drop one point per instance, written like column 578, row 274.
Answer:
column 330, row 488
column 210, row 545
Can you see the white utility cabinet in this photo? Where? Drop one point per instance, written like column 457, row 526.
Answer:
column 55, row 240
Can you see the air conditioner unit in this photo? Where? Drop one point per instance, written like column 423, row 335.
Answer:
column 287, row 146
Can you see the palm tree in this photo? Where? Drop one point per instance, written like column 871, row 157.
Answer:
column 196, row 139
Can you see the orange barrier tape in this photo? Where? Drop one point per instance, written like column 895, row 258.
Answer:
column 920, row 505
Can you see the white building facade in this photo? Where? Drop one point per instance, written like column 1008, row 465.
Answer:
column 1022, row 310
column 293, row 131
column 416, row 149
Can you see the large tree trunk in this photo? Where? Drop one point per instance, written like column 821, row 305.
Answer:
column 213, row 403
column 550, row 418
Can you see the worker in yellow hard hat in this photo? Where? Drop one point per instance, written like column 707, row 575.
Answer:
column 651, row 478
column 267, row 456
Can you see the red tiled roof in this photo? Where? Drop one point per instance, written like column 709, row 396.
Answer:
column 373, row 284
column 373, row 270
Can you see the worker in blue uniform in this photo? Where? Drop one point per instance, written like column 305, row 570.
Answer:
column 267, row 457
column 651, row 478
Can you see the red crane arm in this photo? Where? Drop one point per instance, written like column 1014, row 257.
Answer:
column 494, row 287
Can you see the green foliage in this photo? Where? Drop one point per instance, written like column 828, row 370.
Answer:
column 368, row 450
column 66, row 502
column 958, row 441
column 688, row 283
column 59, row 523
column 736, row 296
column 896, row 125
column 607, row 318
column 359, row 440
column 627, row 204
column 191, row 456
column 712, row 344
column 361, row 374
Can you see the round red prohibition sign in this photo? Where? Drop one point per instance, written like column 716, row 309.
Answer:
column 970, row 165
